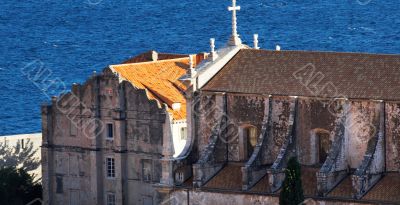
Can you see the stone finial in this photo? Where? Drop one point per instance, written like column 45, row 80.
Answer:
column 255, row 37
column 192, row 70
column 234, row 40
column 154, row 56
column 191, row 62
column 213, row 53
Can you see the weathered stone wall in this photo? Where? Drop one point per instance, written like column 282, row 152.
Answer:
column 179, row 197
column 392, row 134
column 314, row 115
column 243, row 110
column 211, row 112
column 360, row 128
column 207, row 117
column 279, row 127
column 74, row 161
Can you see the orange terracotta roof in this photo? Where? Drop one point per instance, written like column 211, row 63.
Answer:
column 147, row 56
column 160, row 80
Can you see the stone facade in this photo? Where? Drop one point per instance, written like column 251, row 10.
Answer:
column 241, row 137
column 226, row 198
column 351, row 126
column 245, row 112
column 77, row 145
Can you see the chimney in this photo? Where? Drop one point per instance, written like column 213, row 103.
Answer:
column 176, row 106
column 278, row 47
column 154, row 55
column 213, row 54
column 255, row 37
column 191, row 62
column 192, row 70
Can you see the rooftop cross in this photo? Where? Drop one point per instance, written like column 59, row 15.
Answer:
column 235, row 40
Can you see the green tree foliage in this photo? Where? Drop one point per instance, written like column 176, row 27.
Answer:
column 17, row 187
column 292, row 191
column 18, row 156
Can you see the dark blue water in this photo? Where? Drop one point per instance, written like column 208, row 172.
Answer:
column 73, row 38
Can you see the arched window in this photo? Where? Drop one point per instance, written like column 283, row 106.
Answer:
column 248, row 140
column 322, row 145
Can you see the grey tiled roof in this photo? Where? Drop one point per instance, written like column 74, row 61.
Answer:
column 306, row 73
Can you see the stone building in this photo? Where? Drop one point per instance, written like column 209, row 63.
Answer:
column 103, row 141
column 245, row 112
column 253, row 109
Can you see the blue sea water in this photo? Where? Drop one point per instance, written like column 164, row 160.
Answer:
column 74, row 38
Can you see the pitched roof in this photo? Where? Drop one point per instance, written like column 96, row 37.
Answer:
column 229, row 178
column 160, row 80
column 305, row 73
column 343, row 190
column 148, row 56
column 387, row 189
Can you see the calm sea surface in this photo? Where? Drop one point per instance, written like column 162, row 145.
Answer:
column 73, row 38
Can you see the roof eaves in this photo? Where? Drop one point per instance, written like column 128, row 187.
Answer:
column 208, row 68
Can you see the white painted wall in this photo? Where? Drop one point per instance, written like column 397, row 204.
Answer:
column 179, row 128
column 36, row 138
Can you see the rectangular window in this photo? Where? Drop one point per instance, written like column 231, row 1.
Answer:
column 111, row 199
column 73, row 129
column 59, row 184
column 146, row 170
column 183, row 133
column 22, row 144
column 110, row 131
column 110, row 165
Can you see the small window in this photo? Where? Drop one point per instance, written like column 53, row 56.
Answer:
column 111, row 199
column 110, row 163
column 252, row 135
column 59, row 185
column 146, row 170
column 73, row 129
column 22, row 144
column 183, row 133
column 110, row 131
column 180, row 176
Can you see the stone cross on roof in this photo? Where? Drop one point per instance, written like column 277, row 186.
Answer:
column 234, row 40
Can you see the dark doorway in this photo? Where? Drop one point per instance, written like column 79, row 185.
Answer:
column 324, row 146
column 248, row 142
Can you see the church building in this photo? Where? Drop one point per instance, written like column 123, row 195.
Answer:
column 252, row 110
column 220, row 127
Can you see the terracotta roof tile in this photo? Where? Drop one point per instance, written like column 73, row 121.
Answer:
column 147, row 56
column 309, row 180
column 229, row 178
column 262, row 186
column 160, row 79
column 387, row 189
column 343, row 190
column 352, row 75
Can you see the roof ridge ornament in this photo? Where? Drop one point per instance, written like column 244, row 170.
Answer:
column 255, row 38
column 213, row 53
column 192, row 71
column 235, row 39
